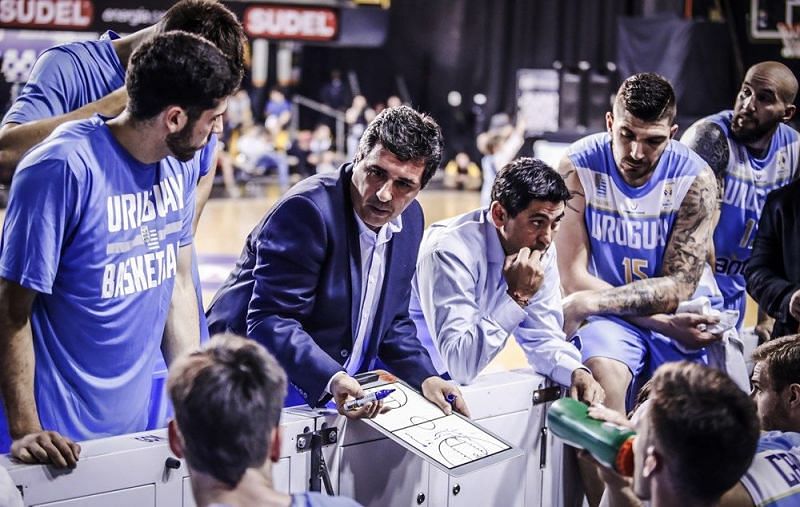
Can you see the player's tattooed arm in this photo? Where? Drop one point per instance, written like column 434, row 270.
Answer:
column 708, row 140
column 683, row 261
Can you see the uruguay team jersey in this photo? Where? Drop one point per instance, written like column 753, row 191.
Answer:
column 629, row 227
column 773, row 479
column 748, row 180
column 67, row 77
column 70, row 76
column 96, row 234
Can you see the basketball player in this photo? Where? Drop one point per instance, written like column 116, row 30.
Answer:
column 752, row 152
column 633, row 241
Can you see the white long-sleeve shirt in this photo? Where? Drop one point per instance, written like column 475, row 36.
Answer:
column 462, row 310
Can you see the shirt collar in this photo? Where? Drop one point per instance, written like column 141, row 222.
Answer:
column 384, row 234
column 495, row 252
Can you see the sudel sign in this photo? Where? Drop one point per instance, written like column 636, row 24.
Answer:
column 273, row 22
column 46, row 13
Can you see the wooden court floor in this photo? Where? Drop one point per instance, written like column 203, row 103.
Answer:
column 226, row 223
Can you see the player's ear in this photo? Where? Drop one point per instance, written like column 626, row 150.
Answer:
column 788, row 113
column 175, row 438
column 794, row 397
column 673, row 130
column 175, row 118
column 275, row 444
column 609, row 120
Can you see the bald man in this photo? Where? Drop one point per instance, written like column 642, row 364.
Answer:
column 752, row 152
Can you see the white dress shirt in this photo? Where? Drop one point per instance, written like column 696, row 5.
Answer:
column 373, row 268
column 462, row 310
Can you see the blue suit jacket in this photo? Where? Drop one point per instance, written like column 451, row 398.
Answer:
column 296, row 289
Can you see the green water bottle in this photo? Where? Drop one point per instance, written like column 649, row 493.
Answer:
column 609, row 443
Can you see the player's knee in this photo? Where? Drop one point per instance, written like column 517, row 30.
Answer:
column 609, row 372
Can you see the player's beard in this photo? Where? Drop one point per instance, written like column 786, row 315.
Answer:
column 180, row 143
column 751, row 133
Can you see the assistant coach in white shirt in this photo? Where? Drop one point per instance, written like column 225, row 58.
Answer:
column 491, row 273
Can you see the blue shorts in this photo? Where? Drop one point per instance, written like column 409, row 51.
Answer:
column 641, row 350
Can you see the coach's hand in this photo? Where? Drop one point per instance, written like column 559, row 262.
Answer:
column 524, row 274
column 436, row 390
column 46, row 447
column 344, row 388
column 585, row 388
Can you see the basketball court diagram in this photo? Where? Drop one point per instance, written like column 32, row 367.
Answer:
column 448, row 439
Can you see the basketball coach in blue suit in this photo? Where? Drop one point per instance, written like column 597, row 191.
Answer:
column 324, row 279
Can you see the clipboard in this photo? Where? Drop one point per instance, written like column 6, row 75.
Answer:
column 451, row 443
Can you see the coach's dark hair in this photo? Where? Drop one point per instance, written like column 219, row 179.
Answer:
column 782, row 358
column 177, row 68
column 527, row 179
column 408, row 135
column 227, row 397
column 212, row 21
column 704, row 426
column 647, row 96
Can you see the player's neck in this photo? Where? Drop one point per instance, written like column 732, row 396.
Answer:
column 141, row 141
column 125, row 46
column 758, row 147
column 254, row 489
column 666, row 493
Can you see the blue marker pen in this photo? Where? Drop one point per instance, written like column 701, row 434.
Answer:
column 369, row 398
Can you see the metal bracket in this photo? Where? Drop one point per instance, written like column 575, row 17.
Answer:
column 546, row 394
column 328, row 436
column 543, row 449
column 313, row 442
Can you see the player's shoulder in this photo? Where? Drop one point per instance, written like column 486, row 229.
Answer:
column 788, row 134
column 712, row 128
column 71, row 136
column 686, row 159
column 590, row 144
column 66, row 55
column 67, row 143
column 779, row 440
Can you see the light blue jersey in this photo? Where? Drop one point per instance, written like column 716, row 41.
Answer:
column 773, row 479
column 629, row 227
column 747, row 182
column 96, row 234
column 67, row 77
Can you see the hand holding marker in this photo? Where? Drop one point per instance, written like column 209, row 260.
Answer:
column 369, row 398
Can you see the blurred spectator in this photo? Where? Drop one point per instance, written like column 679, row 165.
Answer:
column 499, row 145
column 239, row 114
column 335, row 93
column 394, row 101
column 278, row 110
column 357, row 117
column 329, row 162
column 462, row 173
column 257, row 155
column 300, row 154
column 322, row 139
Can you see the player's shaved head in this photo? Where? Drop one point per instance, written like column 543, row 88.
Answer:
column 778, row 73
